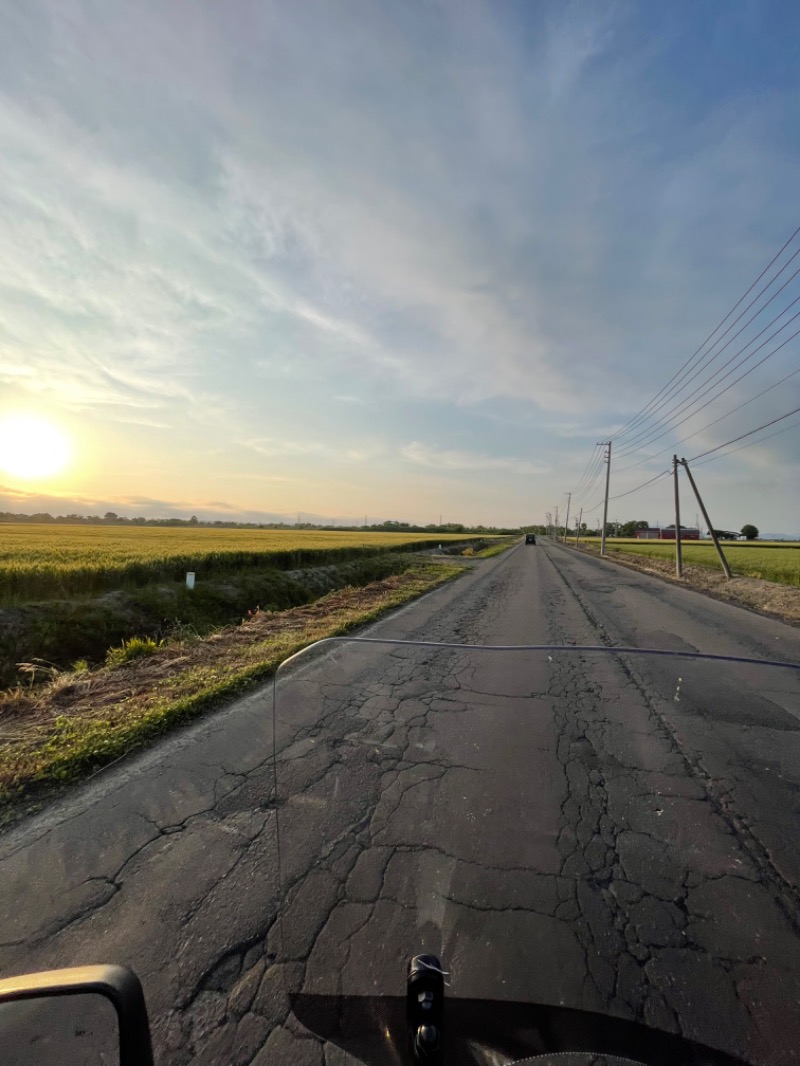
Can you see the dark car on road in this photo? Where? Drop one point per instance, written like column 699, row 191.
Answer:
column 530, row 538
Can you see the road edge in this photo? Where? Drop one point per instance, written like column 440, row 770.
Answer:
column 675, row 582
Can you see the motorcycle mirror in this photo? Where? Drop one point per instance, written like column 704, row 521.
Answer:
column 87, row 1016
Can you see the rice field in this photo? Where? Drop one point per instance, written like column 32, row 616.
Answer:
column 769, row 560
column 45, row 562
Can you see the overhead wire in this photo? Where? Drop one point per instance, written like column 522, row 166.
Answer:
column 742, row 436
column 587, row 488
column 750, row 444
column 708, row 359
column 583, row 477
column 636, row 418
column 702, row 429
column 716, row 396
column 630, row 492
column 591, row 474
column 683, row 377
column 712, row 451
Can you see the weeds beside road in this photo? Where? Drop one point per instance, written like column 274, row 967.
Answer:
column 766, row 597
column 773, row 561
column 80, row 722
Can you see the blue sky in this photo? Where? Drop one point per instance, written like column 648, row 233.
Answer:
column 395, row 259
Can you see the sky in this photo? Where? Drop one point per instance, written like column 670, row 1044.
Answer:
column 403, row 260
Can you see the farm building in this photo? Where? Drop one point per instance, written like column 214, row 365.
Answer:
column 667, row 533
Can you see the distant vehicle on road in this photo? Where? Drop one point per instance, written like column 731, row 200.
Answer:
column 530, row 538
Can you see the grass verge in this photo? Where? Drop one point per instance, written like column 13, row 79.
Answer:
column 57, row 633
column 764, row 597
column 81, row 722
column 496, row 549
column 778, row 562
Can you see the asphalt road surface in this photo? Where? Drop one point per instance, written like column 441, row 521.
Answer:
column 617, row 835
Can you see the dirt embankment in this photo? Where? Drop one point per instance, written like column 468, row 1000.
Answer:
column 765, row 597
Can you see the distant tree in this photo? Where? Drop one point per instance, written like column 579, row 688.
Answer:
column 628, row 529
column 193, row 520
column 750, row 532
column 109, row 516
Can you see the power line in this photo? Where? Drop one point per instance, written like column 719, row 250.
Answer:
column 590, row 484
column 636, row 418
column 720, row 419
column 682, row 405
column 630, row 492
column 742, row 436
column 716, row 396
column 712, row 451
column 750, row 444
column 592, row 459
column 706, row 361
column 592, row 474
column 698, row 362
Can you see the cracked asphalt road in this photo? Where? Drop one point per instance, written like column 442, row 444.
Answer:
column 555, row 831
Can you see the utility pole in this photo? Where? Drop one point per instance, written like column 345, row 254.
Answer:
column 578, row 528
column 720, row 553
column 607, row 444
column 566, row 523
column 555, row 535
column 678, row 554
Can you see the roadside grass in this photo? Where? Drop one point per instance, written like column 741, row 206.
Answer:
column 134, row 648
column 85, row 720
column 60, row 632
column 776, row 561
column 496, row 549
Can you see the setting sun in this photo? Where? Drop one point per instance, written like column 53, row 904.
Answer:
column 32, row 447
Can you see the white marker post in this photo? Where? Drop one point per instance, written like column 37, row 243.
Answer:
column 190, row 580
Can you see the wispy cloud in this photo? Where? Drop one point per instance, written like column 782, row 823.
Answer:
column 447, row 459
column 359, row 231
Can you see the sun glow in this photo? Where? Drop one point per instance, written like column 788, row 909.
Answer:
column 31, row 447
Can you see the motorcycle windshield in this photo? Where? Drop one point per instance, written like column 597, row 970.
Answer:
column 584, row 838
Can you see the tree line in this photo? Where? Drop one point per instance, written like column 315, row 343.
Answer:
column 112, row 519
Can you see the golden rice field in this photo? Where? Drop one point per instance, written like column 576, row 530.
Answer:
column 42, row 561
column 769, row 560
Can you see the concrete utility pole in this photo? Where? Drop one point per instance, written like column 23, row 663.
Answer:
column 607, row 444
column 678, row 554
column 556, row 529
column 566, row 523
column 720, row 553
column 578, row 528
